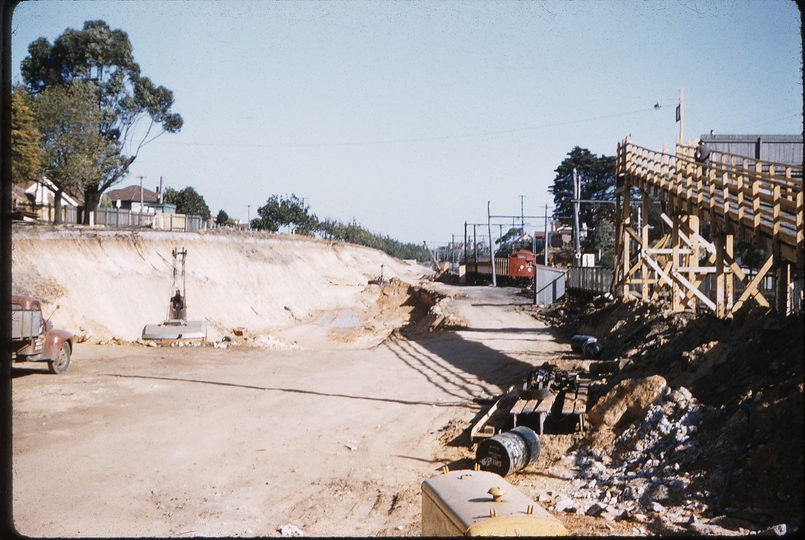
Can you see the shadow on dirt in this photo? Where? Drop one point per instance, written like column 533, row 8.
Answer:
column 503, row 330
column 290, row 390
column 17, row 372
column 461, row 368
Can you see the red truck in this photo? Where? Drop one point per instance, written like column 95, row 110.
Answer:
column 33, row 338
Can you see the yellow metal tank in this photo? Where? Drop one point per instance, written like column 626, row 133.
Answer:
column 481, row 503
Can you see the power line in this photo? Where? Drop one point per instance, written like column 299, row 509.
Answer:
column 406, row 141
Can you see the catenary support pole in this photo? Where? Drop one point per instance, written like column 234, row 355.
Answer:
column 491, row 248
column 465, row 245
column 545, row 250
column 475, row 245
column 576, row 230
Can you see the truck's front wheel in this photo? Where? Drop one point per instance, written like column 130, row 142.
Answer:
column 59, row 364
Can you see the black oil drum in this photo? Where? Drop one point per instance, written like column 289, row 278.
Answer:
column 508, row 452
column 587, row 345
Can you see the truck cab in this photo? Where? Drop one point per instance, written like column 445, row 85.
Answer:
column 33, row 338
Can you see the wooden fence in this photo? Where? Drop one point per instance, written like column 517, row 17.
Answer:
column 112, row 217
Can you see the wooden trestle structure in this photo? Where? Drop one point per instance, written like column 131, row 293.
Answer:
column 757, row 201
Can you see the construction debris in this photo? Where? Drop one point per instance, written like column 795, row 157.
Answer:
column 536, row 401
column 696, row 430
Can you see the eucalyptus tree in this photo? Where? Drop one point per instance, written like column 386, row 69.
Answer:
column 132, row 110
column 285, row 211
column 72, row 147
column 188, row 201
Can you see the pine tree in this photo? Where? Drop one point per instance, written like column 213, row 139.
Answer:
column 25, row 150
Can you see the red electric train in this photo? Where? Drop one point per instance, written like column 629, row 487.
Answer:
column 512, row 268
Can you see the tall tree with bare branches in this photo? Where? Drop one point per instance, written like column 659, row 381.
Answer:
column 100, row 59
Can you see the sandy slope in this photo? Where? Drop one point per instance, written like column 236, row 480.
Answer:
column 110, row 284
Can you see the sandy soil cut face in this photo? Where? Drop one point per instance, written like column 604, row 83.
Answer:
column 110, row 284
column 203, row 441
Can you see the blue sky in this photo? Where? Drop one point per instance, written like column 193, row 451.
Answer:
column 409, row 116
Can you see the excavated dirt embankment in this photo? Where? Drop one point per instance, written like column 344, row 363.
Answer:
column 276, row 290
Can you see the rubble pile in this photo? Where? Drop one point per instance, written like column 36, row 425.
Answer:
column 717, row 449
column 646, row 478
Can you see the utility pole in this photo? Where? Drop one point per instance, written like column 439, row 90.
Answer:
column 680, row 113
column 491, row 249
column 639, row 219
column 522, row 214
column 465, row 242
column 248, row 217
column 141, row 199
column 546, row 235
column 576, row 229
column 475, row 244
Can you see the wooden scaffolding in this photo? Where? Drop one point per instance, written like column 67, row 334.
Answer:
column 759, row 202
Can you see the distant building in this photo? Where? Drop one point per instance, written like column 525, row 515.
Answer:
column 559, row 236
column 785, row 149
column 129, row 198
column 539, row 240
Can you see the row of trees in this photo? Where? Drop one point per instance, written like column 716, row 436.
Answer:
column 354, row 233
column 84, row 112
column 294, row 213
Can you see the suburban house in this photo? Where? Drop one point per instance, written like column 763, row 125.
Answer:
column 128, row 198
column 37, row 200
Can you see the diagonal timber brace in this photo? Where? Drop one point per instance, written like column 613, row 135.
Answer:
column 658, row 267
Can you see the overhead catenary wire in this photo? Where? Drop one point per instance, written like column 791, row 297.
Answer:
column 410, row 140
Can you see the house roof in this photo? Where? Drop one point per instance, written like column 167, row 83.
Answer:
column 132, row 193
column 19, row 194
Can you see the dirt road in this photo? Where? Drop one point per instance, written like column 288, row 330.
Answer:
column 200, row 441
